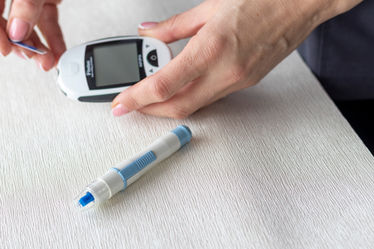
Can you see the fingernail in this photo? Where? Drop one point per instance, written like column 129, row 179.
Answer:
column 119, row 110
column 147, row 25
column 25, row 55
column 18, row 30
column 41, row 66
column 114, row 103
column 21, row 54
column 4, row 54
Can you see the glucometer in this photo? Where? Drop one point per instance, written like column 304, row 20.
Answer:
column 99, row 70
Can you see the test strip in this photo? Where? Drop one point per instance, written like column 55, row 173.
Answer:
column 28, row 47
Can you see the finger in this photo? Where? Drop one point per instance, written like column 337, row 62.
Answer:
column 179, row 26
column 2, row 6
column 31, row 41
column 49, row 27
column 24, row 52
column 184, row 68
column 45, row 61
column 5, row 45
column 192, row 98
column 23, row 16
column 19, row 53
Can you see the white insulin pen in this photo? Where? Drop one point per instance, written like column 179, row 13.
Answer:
column 127, row 172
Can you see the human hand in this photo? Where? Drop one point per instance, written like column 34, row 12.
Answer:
column 23, row 16
column 234, row 44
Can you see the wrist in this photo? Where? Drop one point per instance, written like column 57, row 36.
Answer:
column 340, row 6
column 323, row 10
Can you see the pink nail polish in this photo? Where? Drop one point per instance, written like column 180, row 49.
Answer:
column 18, row 29
column 119, row 110
column 147, row 25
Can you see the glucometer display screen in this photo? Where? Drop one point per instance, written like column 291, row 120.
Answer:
column 116, row 64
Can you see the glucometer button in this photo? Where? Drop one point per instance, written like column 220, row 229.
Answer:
column 73, row 68
column 152, row 58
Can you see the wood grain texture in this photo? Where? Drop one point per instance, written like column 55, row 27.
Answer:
column 274, row 166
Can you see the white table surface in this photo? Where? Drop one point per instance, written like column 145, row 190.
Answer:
column 273, row 166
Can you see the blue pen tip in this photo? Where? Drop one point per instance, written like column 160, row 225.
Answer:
column 187, row 129
column 183, row 133
column 86, row 199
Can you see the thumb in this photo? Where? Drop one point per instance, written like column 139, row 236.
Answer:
column 23, row 17
column 180, row 26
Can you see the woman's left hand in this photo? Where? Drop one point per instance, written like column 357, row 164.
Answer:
column 234, row 44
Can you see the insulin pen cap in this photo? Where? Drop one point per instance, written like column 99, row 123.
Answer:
column 183, row 133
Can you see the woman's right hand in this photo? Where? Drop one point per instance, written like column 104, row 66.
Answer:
column 23, row 17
